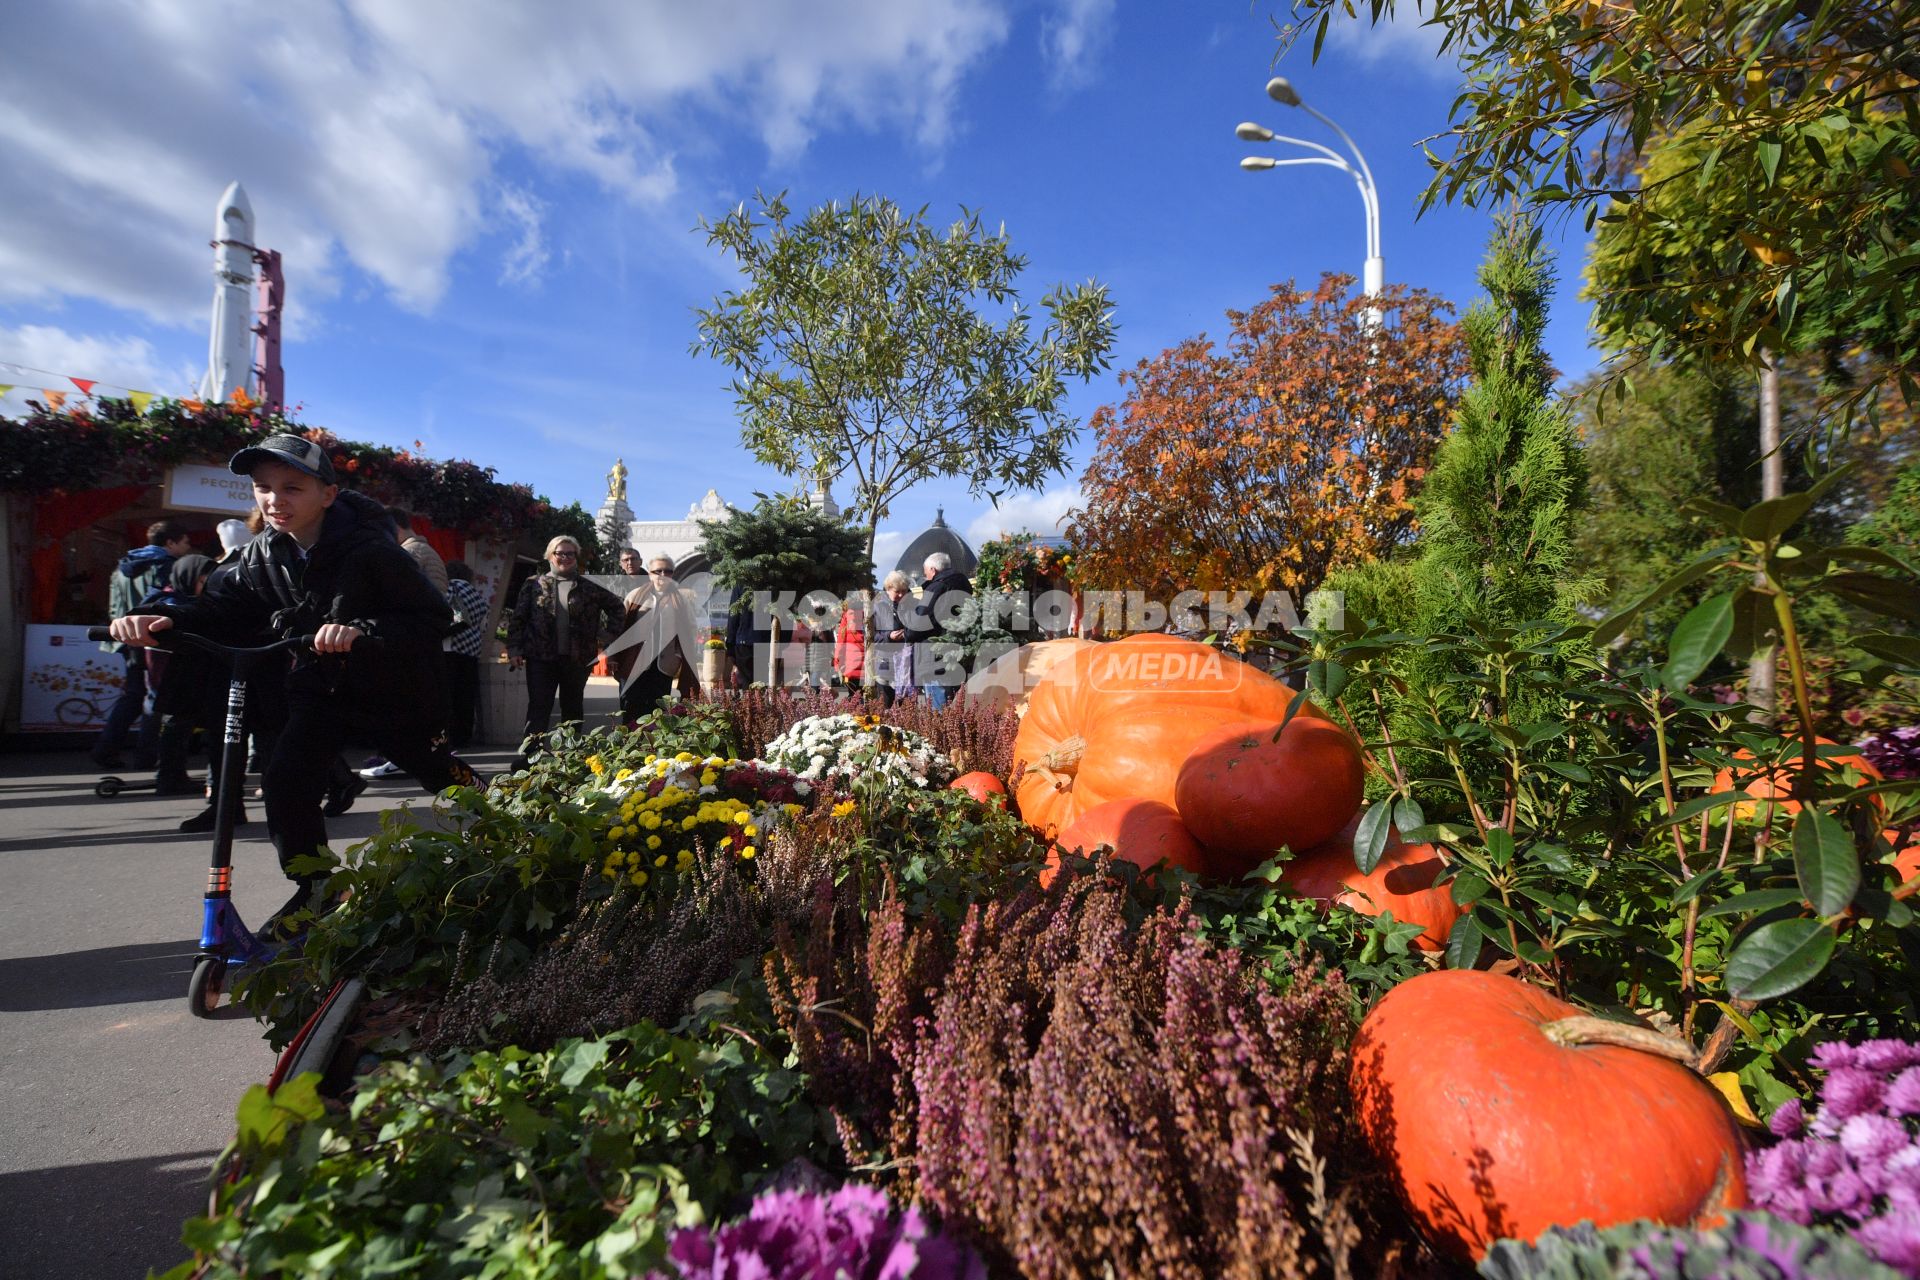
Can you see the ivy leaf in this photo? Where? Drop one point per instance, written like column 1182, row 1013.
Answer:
column 1825, row 861
column 1698, row 639
column 1370, row 837
column 1778, row 958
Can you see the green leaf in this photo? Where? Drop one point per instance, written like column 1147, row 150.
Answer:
column 1554, row 858
column 1691, row 889
column 1500, row 845
column 1469, row 887
column 1767, row 150
column 1327, row 678
column 1408, row 815
column 1765, row 521
column 1614, row 626
column 1904, row 650
column 1463, row 943
column 1778, row 958
column 1370, row 837
column 1571, row 772
column 1755, row 901
column 1825, row 861
column 1870, row 591
column 1755, row 625
column 1294, row 705
column 1697, row 640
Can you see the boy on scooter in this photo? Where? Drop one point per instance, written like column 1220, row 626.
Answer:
column 328, row 566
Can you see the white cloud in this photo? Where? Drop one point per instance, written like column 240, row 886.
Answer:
column 37, row 356
column 1043, row 513
column 366, row 132
column 526, row 258
column 887, row 546
column 1074, row 37
column 1402, row 40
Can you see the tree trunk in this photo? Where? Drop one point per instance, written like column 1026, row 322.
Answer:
column 1760, row 690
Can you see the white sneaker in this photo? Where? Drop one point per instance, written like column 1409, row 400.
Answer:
column 385, row 769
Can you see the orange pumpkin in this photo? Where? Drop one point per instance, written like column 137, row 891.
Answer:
column 1117, row 720
column 1143, row 832
column 1777, row 784
column 1906, row 862
column 980, row 785
column 1244, row 795
column 1501, row 1111
column 1402, row 882
column 1011, row 677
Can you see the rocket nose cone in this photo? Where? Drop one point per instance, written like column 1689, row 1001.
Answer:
column 233, row 213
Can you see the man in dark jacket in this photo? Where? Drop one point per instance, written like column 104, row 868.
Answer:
column 141, row 573
column 328, row 567
column 940, row 671
column 555, row 631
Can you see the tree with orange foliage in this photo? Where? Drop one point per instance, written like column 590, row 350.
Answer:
column 1296, row 448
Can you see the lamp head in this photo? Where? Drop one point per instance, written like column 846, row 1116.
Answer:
column 1280, row 89
column 1247, row 131
column 1257, row 162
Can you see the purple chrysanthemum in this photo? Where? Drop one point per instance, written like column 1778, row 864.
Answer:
column 1855, row 1162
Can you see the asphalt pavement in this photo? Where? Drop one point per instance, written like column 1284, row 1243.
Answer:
column 114, row 1100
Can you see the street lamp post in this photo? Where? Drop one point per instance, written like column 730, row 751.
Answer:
column 1373, row 278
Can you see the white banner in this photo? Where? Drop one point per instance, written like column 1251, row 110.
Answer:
column 68, row 682
column 193, row 487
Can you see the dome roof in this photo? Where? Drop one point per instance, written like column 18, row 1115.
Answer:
column 937, row 537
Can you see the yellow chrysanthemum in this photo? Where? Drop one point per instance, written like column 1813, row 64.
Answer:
column 708, row 778
column 660, row 861
column 844, row 809
column 653, row 842
column 747, row 852
column 593, row 763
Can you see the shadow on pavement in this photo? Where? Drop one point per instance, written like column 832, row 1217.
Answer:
column 53, row 1222
column 132, row 974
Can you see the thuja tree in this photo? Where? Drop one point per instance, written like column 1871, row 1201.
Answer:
column 791, row 550
column 867, row 342
column 1498, row 511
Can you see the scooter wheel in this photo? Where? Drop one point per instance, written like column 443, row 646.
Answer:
column 205, row 987
column 107, row 788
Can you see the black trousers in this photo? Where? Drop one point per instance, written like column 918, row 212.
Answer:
column 463, row 696
column 302, row 763
column 545, row 678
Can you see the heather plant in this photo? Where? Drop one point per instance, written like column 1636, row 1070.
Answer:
column 1895, row 753
column 806, row 1235
column 972, row 736
column 1854, row 1163
column 1085, row 1091
column 1748, row 1246
column 639, row 956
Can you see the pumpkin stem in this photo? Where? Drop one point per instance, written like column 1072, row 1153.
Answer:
column 1063, row 759
column 1585, row 1029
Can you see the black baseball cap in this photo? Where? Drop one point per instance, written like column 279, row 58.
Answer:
column 295, row 451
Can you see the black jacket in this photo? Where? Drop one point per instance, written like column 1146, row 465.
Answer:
column 355, row 574
column 926, row 625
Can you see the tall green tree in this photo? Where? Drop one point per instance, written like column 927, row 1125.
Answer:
column 1562, row 97
column 1497, row 515
column 869, row 344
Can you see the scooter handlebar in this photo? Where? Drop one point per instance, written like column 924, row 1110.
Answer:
column 170, row 639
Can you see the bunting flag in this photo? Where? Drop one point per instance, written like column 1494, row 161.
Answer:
column 56, row 399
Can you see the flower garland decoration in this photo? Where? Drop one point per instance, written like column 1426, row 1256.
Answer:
column 824, row 748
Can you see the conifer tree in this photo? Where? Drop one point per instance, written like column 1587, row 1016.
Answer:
column 1498, row 513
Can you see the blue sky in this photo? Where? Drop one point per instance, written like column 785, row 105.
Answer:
column 488, row 211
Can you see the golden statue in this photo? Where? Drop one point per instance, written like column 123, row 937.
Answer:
column 617, row 481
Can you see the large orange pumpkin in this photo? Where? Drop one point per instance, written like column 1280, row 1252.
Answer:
column 1010, row 678
column 1501, row 1111
column 1402, row 882
column 1143, row 832
column 1906, row 863
column 1777, row 784
column 1117, row 720
column 1244, row 795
